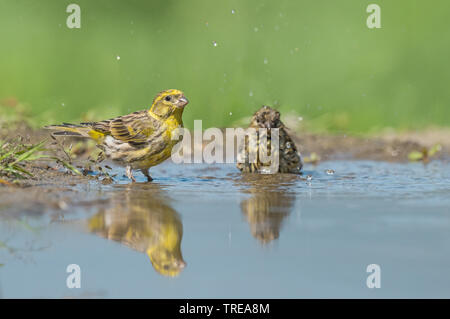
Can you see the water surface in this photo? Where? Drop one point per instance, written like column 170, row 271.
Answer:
column 205, row 231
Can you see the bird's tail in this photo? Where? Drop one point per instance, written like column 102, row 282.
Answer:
column 67, row 129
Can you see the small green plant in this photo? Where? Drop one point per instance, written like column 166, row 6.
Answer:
column 14, row 156
column 425, row 154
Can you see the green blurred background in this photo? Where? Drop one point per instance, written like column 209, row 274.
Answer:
column 315, row 59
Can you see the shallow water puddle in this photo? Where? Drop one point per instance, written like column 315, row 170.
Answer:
column 207, row 231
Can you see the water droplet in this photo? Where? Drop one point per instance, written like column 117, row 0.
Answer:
column 118, row 58
column 214, row 43
column 250, row 93
column 266, row 61
column 330, row 171
column 233, row 12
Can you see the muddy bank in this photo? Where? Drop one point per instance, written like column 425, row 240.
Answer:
column 50, row 188
column 388, row 147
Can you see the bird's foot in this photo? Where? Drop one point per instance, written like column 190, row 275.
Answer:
column 130, row 174
column 145, row 172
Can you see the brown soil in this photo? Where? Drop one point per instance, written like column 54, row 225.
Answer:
column 382, row 148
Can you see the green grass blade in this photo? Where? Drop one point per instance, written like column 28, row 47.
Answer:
column 26, row 155
column 6, row 155
column 21, row 169
column 67, row 165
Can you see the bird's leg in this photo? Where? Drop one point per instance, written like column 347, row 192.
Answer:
column 130, row 173
column 146, row 173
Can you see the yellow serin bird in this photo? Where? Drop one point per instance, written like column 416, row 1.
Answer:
column 138, row 140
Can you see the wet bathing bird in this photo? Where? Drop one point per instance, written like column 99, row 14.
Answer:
column 138, row 140
column 289, row 158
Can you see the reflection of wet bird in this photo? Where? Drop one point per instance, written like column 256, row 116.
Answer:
column 138, row 140
column 269, row 204
column 141, row 219
column 289, row 158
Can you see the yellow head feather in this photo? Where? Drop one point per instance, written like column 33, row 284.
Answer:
column 167, row 103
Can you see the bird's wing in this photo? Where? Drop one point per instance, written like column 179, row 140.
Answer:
column 134, row 129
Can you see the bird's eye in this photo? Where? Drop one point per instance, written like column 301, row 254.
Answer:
column 168, row 98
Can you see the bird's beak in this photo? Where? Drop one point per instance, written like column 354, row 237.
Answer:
column 182, row 102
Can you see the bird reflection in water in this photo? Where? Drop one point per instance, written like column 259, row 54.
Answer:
column 141, row 218
column 270, row 203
